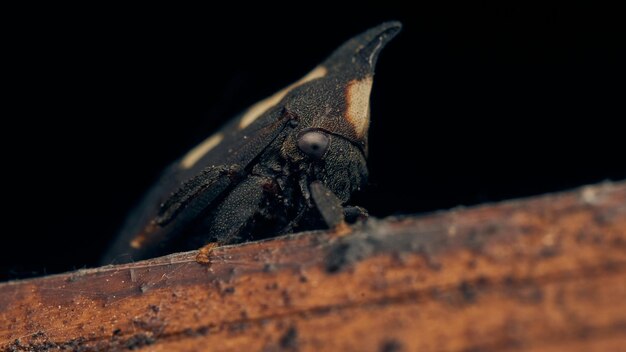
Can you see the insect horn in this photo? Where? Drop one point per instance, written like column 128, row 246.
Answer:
column 352, row 69
column 358, row 55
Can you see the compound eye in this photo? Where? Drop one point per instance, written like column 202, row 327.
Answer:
column 314, row 144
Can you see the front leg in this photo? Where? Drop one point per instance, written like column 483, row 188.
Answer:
column 233, row 215
column 355, row 213
column 238, row 209
column 330, row 207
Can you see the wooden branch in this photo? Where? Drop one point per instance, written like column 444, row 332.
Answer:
column 542, row 274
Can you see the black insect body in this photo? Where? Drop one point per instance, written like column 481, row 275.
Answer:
column 287, row 163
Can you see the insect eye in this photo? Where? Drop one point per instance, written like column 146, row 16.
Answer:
column 314, row 144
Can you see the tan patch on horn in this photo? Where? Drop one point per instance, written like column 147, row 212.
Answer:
column 192, row 157
column 261, row 107
column 358, row 105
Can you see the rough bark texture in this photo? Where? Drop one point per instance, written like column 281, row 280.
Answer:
column 541, row 274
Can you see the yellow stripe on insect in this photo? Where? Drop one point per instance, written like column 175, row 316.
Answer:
column 261, row 107
column 192, row 157
column 358, row 104
column 137, row 242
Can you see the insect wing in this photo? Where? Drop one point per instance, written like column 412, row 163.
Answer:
column 190, row 185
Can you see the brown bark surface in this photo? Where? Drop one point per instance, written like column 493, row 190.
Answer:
column 541, row 274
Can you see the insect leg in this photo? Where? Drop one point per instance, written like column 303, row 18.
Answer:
column 151, row 229
column 295, row 222
column 202, row 188
column 328, row 204
column 304, row 188
column 354, row 213
column 238, row 209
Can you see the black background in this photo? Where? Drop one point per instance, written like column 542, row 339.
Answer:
column 471, row 104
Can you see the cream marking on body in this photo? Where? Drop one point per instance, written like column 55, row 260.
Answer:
column 358, row 104
column 192, row 157
column 136, row 243
column 262, row 106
